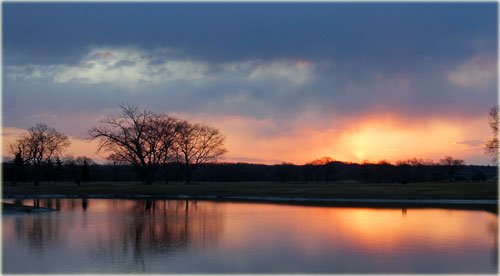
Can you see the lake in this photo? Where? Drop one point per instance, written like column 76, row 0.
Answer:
column 187, row 236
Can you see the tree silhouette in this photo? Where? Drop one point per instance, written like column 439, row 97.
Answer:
column 169, row 133
column 147, row 140
column 136, row 137
column 83, row 162
column 283, row 171
column 59, row 170
column 327, row 166
column 492, row 144
column 38, row 145
column 114, row 160
column 73, row 170
column 307, row 172
column 48, row 170
column 452, row 165
column 19, row 168
column 197, row 144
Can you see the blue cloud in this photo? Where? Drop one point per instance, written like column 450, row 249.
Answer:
column 390, row 32
column 366, row 58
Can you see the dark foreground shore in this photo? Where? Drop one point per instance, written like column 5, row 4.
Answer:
column 467, row 195
column 440, row 190
column 8, row 208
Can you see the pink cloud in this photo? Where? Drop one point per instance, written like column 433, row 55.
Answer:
column 478, row 71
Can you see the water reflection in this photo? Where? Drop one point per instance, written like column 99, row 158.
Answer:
column 45, row 203
column 159, row 228
column 492, row 227
column 85, row 204
column 131, row 231
column 39, row 233
column 95, row 235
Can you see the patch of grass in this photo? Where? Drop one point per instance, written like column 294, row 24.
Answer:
column 434, row 190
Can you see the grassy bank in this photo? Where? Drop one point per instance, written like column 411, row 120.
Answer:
column 455, row 190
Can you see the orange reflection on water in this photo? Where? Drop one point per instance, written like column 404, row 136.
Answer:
column 201, row 236
column 390, row 230
column 394, row 229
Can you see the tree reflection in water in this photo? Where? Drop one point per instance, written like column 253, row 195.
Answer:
column 44, row 230
column 160, row 228
column 134, row 230
column 85, row 204
column 100, row 235
column 39, row 231
column 492, row 228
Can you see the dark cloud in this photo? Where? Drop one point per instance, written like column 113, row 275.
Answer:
column 328, row 96
column 365, row 59
column 389, row 35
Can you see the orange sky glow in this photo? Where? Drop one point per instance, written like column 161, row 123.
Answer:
column 371, row 138
column 279, row 93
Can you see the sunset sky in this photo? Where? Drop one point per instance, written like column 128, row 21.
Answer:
column 284, row 82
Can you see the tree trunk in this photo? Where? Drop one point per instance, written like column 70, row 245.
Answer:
column 187, row 178
column 165, row 173
column 149, row 177
column 147, row 174
column 36, row 176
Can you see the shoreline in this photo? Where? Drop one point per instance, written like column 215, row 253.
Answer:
column 9, row 208
column 457, row 195
column 262, row 198
column 311, row 201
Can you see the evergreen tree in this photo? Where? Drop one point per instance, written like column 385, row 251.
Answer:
column 48, row 171
column 85, row 171
column 59, row 171
column 18, row 168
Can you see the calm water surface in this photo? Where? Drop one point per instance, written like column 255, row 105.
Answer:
column 174, row 236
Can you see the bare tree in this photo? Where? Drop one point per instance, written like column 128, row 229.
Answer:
column 492, row 144
column 114, row 160
column 38, row 145
column 125, row 136
column 169, row 133
column 140, row 138
column 452, row 165
column 197, row 144
column 327, row 165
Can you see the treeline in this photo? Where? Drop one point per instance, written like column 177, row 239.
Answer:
column 142, row 139
column 146, row 146
column 82, row 170
column 50, row 171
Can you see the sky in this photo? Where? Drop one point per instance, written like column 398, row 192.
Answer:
column 285, row 82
